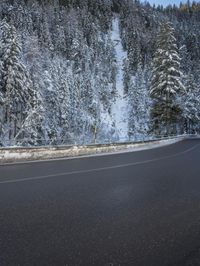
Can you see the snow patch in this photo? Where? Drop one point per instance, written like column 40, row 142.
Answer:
column 119, row 107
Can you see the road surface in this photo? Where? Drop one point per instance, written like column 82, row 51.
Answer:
column 137, row 208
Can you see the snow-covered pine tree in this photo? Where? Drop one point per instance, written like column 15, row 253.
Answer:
column 1, row 94
column 59, row 40
column 139, row 105
column 166, row 83
column 15, row 85
column 64, row 105
column 132, row 110
column 1, row 99
column 51, row 102
column 191, row 105
column 44, row 33
column 33, row 128
column 1, row 117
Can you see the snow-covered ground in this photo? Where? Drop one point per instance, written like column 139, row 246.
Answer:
column 13, row 154
column 119, row 109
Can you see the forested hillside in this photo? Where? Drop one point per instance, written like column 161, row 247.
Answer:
column 75, row 71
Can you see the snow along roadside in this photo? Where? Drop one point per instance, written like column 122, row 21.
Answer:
column 21, row 155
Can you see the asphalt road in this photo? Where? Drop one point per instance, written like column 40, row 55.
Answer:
column 138, row 208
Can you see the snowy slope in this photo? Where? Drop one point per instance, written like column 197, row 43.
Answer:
column 119, row 108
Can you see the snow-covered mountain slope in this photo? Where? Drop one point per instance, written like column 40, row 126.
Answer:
column 69, row 81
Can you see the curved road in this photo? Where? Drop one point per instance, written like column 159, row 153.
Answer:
column 137, row 208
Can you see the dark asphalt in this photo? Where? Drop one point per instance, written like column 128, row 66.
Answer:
column 140, row 208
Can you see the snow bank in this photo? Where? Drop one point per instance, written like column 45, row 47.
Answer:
column 8, row 155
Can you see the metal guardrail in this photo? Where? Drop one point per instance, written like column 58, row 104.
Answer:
column 101, row 144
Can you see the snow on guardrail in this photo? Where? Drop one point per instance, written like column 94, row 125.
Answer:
column 21, row 154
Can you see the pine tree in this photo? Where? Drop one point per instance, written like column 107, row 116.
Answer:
column 1, row 117
column 139, row 105
column 15, row 85
column 64, row 106
column 33, row 128
column 166, row 83
column 191, row 105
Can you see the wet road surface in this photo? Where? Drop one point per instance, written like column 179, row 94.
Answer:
column 137, row 208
